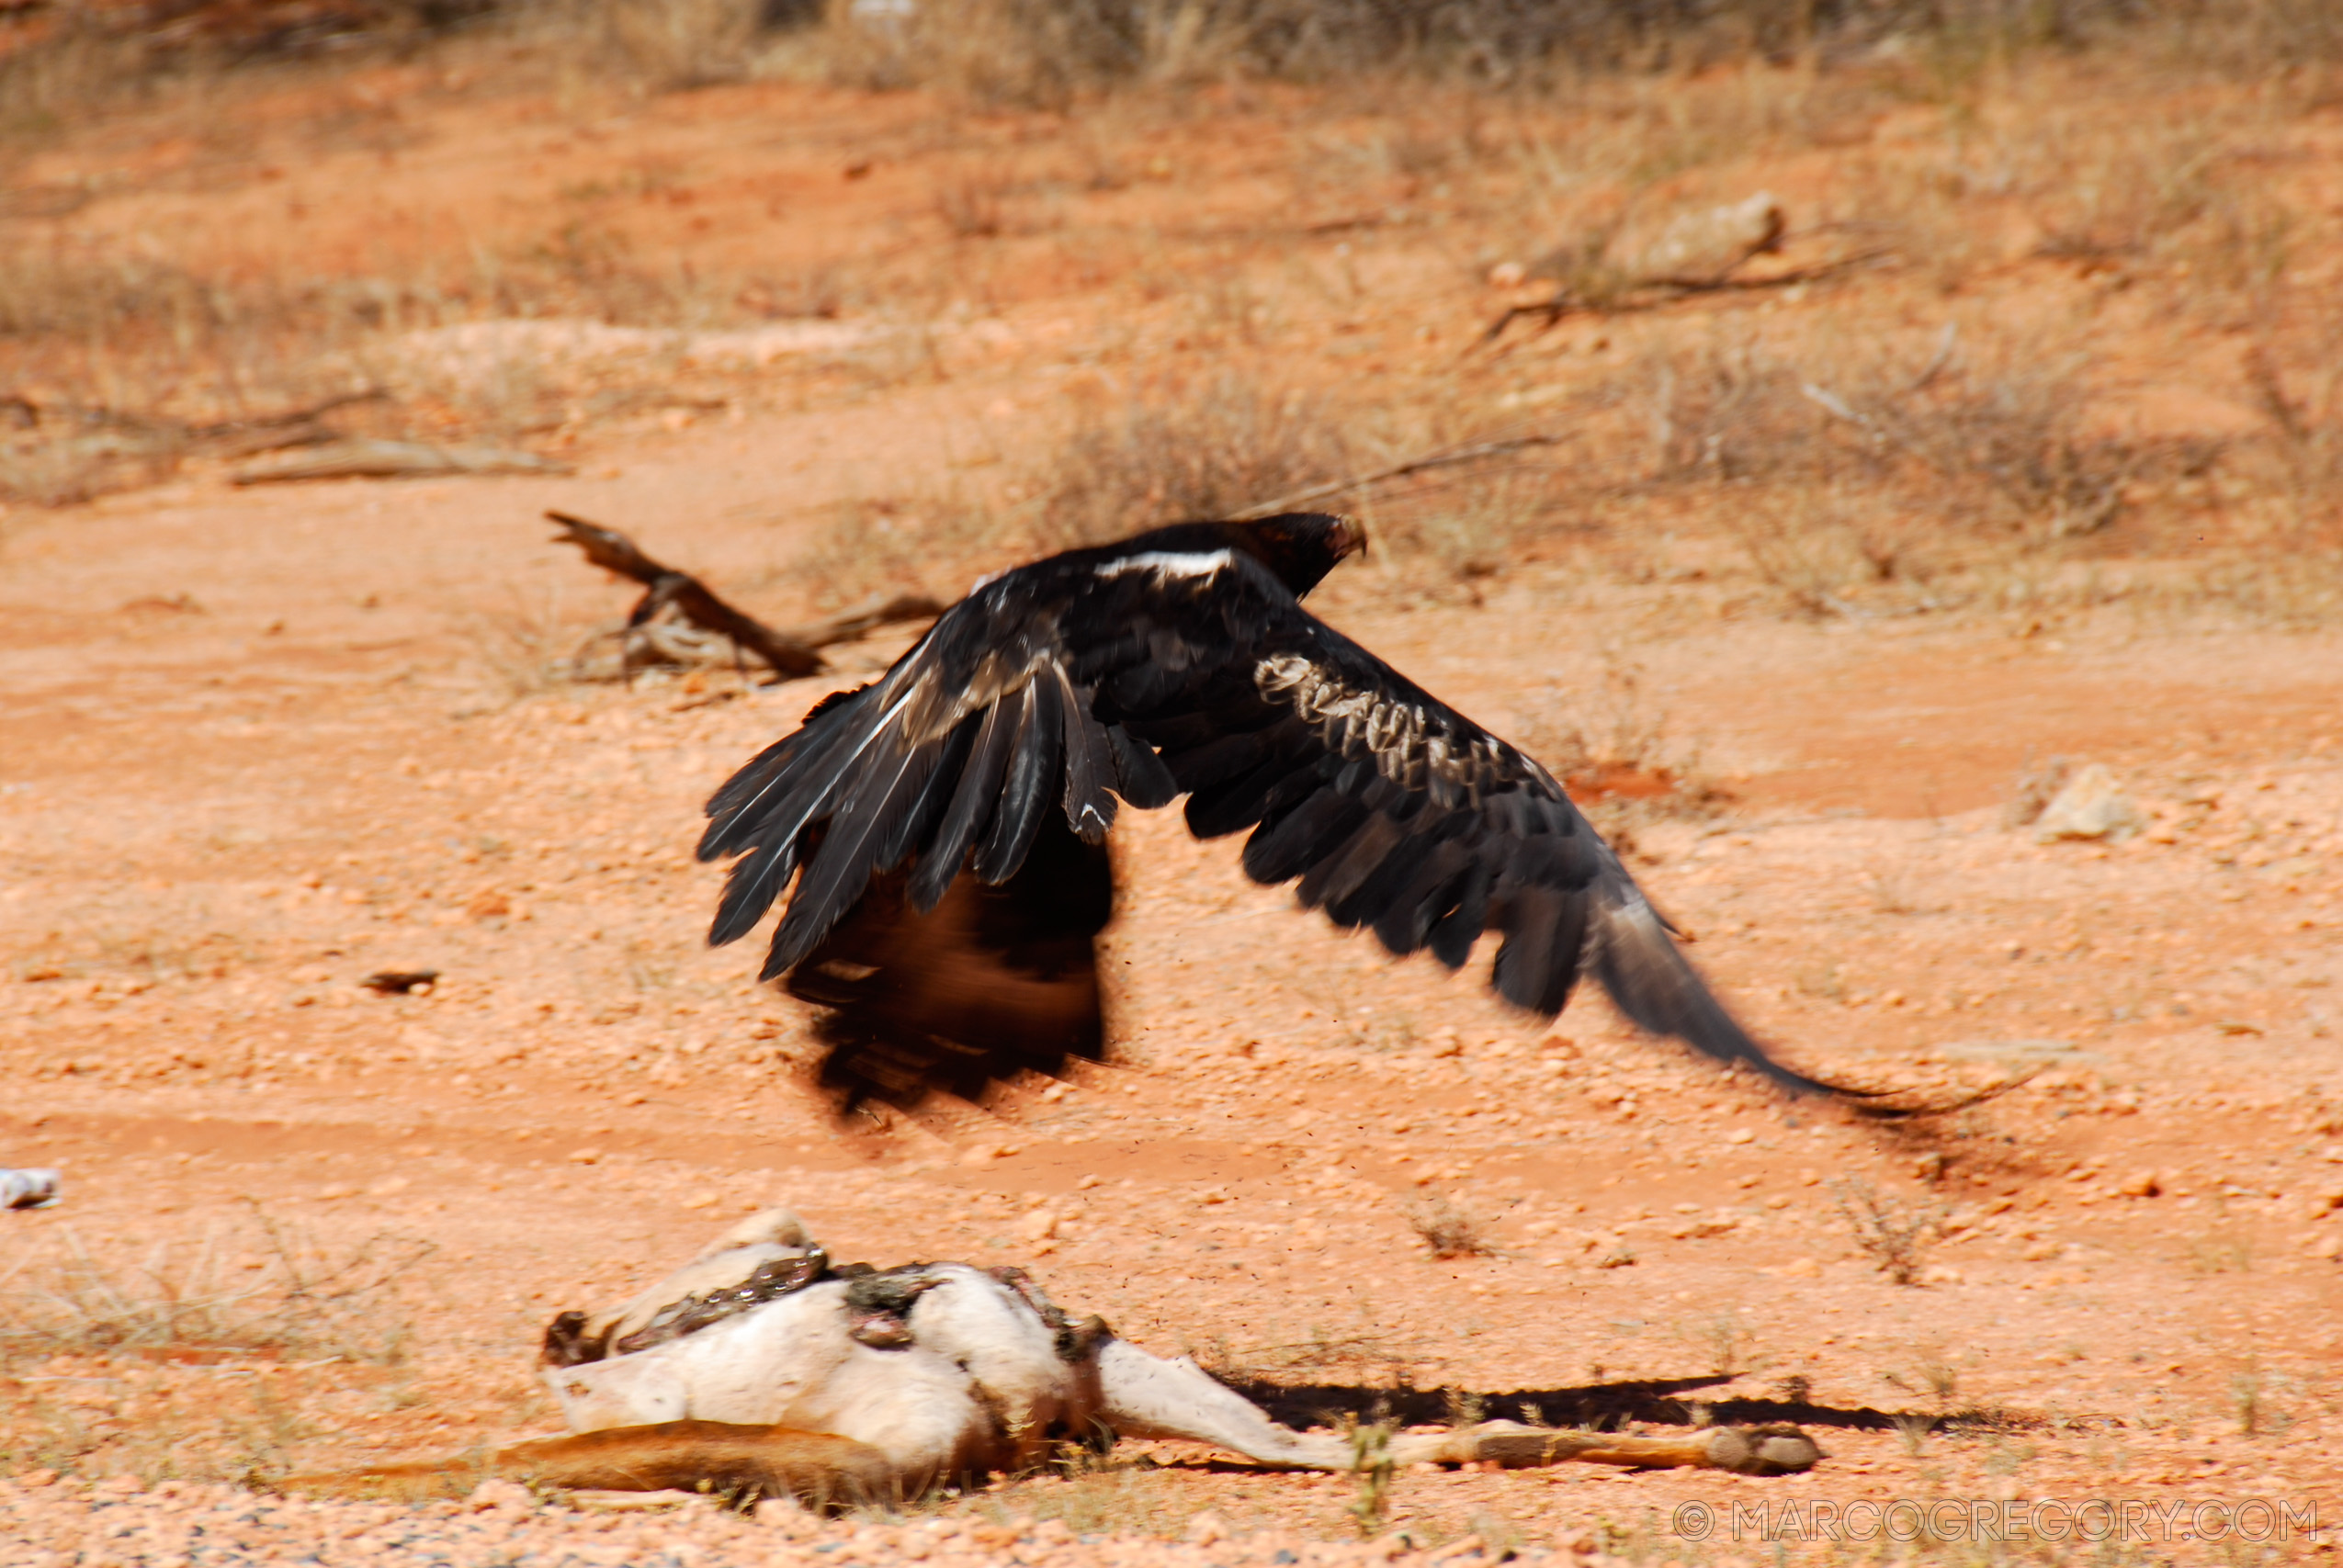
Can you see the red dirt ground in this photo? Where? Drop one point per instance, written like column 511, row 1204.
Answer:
column 216, row 819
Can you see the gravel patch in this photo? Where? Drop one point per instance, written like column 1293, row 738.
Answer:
column 49, row 1523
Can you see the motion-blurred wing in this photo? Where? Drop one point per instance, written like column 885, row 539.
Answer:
column 993, row 982
column 1396, row 812
column 940, row 827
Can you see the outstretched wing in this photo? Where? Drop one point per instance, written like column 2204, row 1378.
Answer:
column 1397, row 813
column 1165, row 666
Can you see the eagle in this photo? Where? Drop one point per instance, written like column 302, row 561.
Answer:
column 940, row 833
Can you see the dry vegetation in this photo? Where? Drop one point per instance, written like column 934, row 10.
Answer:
column 184, row 1356
column 1989, row 456
column 261, row 1288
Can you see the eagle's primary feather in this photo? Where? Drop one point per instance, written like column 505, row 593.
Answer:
column 944, row 823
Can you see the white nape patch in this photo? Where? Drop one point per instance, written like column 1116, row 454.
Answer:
column 1167, row 564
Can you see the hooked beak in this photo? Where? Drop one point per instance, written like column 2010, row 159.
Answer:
column 1350, row 537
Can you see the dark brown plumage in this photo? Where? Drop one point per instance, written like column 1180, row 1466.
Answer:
column 945, row 825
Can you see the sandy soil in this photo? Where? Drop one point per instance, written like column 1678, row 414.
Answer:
column 262, row 743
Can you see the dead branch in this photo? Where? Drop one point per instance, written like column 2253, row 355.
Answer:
column 1563, row 303
column 1440, row 457
column 868, row 618
column 789, row 653
column 691, row 598
column 32, row 413
column 363, row 457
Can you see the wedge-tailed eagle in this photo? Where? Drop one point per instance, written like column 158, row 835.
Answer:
column 945, row 825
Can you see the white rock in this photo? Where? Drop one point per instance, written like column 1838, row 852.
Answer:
column 2090, row 807
column 1698, row 247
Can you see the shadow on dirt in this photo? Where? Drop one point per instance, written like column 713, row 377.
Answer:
column 1601, row 1407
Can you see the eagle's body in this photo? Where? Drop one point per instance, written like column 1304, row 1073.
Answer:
column 946, row 823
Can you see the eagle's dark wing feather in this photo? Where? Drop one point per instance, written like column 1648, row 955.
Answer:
column 1166, row 665
column 1400, row 814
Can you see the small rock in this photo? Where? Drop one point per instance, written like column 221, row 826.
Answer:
column 1507, row 274
column 2141, row 1184
column 1207, row 1527
column 496, row 1492
column 2090, row 807
column 1801, row 1268
column 1699, row 247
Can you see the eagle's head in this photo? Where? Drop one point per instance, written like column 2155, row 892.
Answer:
column 1301, row 547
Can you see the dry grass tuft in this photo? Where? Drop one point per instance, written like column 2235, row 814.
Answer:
column 2035, row 788
column 1182, row 450
column 1448, row 1231
column 265, row 1287
column 1371, row 1464
column 1997, row 439
column 1891, row 1233
column 1045, row 53
column 667, row 45
column 972, row 202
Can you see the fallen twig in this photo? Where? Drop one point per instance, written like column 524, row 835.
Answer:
column 1440, row 457
column 32, row 412
column 1563, row 303
column 868, row 618
column 359, row 458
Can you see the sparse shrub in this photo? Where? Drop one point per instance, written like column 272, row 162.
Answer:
column 970, row 201
column 672, row 44
column 1731, row 1346
column 1448, row 1231
column 263, row 1286
column 1186, row 450
column 1044, row 51
column 1371, row 1464
column 2006, row 428
column 1890, row 1233
column 2036, row 786
column 1942, row 1378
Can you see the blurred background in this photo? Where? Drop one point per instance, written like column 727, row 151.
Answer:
column 2018, row 306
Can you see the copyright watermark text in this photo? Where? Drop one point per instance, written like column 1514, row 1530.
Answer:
column 2143, row 1519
